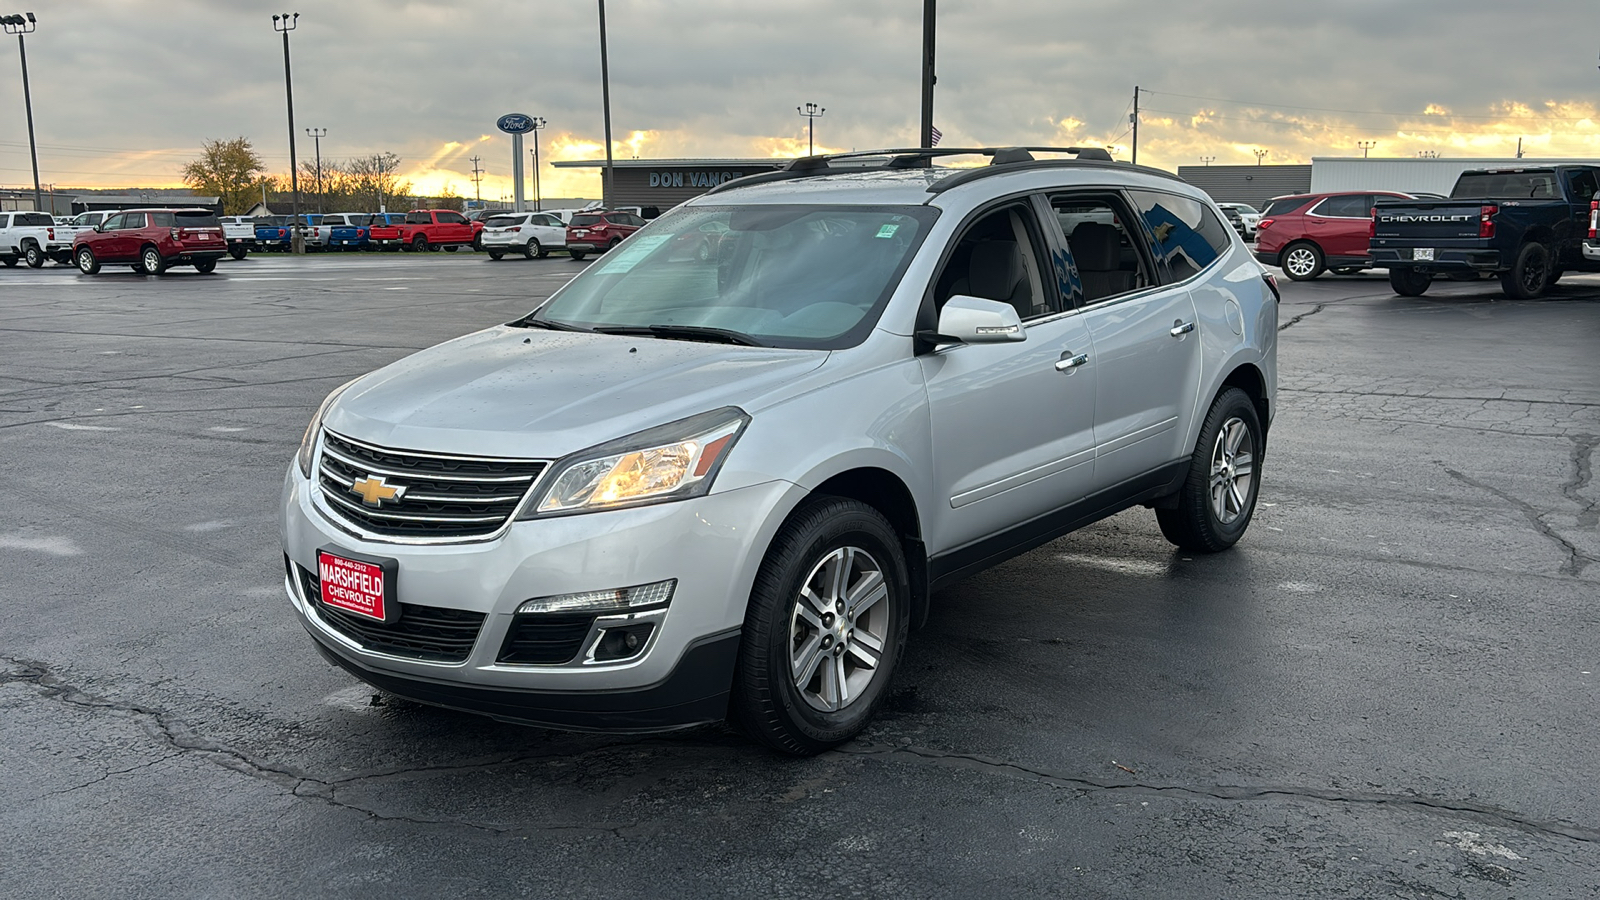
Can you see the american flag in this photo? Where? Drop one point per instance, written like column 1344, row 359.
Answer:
column 934, row 134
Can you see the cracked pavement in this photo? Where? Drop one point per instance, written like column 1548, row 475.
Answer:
column 1386, row 690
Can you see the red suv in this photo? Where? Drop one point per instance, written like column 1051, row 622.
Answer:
column 599, row 231
column 1307, row 234
column 153, row 240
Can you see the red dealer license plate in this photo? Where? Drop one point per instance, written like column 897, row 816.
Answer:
column 362, row 586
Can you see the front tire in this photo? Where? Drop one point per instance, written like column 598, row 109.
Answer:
column 238, row 252
column 577, row 254
column 1303, row 261
column 33, row 256
column 497, row 254
column 826, row 623
column 1218, row 498
column 205, row 266
column 1409, row 282
column 150, row 261
column 1529, row 276
column 87, row 264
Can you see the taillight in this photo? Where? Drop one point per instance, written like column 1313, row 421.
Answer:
column 1486, row 216
column 50, row 233
column 1372, row 225
column 1594, row 218
column 176, row 234
column 1263, row 224
column 1272, row 284
column 515, row 228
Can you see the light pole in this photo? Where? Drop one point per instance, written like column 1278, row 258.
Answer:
column 605, row 98
column 20, row 25
column 283, row 24
column 930, row 20
column 1208, row 160
column 1366, row 146
column 538, row 123
column 1260, row 155
column 811, row 112
column 317, row 134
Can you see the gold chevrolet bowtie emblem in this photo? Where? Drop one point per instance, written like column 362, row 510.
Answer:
column 373, row 491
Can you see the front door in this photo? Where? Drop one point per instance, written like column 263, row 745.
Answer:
column 1012, row 423
column 1341, row 225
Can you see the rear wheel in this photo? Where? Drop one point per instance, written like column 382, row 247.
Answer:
column 826, row 622
column 497, row 254
column 575, row 254
column 532, row 249
column 1409, row 282
column 33, row 256
column 10, row 261
column 1218, row 498
column 1302, row 261
column 419, row 244
column 451, row 248
column 1529, row 276
column 614, row 243
column 205, row 266
column 237, row 252
column 87, row 264
column 150, row 261
column 1346, row 270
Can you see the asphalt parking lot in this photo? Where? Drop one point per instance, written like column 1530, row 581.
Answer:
column 1388, row 689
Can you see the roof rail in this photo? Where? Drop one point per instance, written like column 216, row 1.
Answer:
column 967, row 176
column 905, row 158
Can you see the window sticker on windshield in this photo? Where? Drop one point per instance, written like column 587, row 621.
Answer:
column 624, row 258
column 887, row 231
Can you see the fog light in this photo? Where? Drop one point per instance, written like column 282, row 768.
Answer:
column 623, row 642
column 642, row 596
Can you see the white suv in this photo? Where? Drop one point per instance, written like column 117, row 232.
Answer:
column 723, row 469
column 530, row 233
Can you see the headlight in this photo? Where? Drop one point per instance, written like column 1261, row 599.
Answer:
column 308, row 444
column 671, row 462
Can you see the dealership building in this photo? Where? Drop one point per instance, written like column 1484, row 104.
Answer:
column 664, row 183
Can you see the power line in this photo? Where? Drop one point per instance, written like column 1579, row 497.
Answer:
column 1365, row 112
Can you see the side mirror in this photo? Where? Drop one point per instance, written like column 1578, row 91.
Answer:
column 973, row 320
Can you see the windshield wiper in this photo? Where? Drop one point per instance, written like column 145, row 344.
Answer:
column 529, row 321
column 685, row 333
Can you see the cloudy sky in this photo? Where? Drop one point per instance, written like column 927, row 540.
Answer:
column 125, row 91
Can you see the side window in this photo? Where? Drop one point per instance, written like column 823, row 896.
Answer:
column 1105, row 258
column 1188, row 235
column 997, row 258
column 418, row 218
column 112, row 223
column 161, row 220
column 132, row 221
column 1584, row 184
column 1346, row 206
column 450, row 218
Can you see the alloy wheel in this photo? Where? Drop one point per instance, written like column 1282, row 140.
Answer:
column 1300, row 261
column 839, row 628
column 1232, row 471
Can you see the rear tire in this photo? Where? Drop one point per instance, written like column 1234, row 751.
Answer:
column 1409, row 282
column 532, row 250
column 419, row 244
column 614, row 243
column 575, row 254
column 150, row 261
column 1529, row 276
column 87, row 264
column 1346, row 270
column 497, row 254
column 33, row 256
column 1212, row 512
column 845, row 640
column 237, row 252
column 205, row 266
column 1303, row 261
column 10, row 261
column 451, row 248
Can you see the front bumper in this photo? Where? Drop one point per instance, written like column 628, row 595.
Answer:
column 1445, row 260
column 711, row 545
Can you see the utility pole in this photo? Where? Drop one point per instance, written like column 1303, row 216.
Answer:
column 19, row 26
column 1519, row 148
column 929, row 27
column 538, row 198
column 606, row 181
column 297, row 240
column 811, row 112
column 317, row 134
column 477, row 179
column 1133, row 117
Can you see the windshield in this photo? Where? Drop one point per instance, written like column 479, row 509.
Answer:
column 788, row 276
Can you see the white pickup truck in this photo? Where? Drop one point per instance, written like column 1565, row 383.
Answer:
column 240, row 232
column 27, row 236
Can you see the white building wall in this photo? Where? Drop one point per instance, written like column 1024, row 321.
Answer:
column 1436, row 176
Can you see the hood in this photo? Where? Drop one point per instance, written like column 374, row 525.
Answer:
column 534, row 394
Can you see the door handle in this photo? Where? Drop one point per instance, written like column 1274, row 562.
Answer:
column 1181, row 328
column 1070, row 361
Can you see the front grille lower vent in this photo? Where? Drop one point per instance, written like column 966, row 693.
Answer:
column 545, row 639
column 421, row 495
column 429, row 633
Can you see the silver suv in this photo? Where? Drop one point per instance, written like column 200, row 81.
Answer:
column 721, row 471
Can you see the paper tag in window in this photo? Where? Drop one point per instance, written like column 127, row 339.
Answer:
column 887, row 231
column 626, row 256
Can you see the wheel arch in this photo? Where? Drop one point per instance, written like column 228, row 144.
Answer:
column 888, row 493
column 1248, row 378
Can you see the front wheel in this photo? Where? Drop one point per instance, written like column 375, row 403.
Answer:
column 451, row 248
column 33, row 256
column 497, row 254
column 827, row 619
column 10, row 261
column 87, row 264
column 205, row 266
column 1218, row 498
column 237, row 252
column 1529, row 276
column 150, row 261
column 1409, row 282
column 1303, row 262
column 577, row 254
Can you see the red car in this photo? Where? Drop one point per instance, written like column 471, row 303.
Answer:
column 429, row 229
column 1307, row 234
column 153, row 240
column 599, row 230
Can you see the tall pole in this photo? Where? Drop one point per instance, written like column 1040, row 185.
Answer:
column 538, row 196
column 606, row 180
column 477, row 179
column 297, row 240
column 1366, row 146
column 317, row 134
column 19, row 26
column 1134, row 119
column 518, row 204
column 811, row 112
column 929, row 26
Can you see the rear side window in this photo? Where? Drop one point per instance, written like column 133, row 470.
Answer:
column 1285, row 205
column 162, row 220
column 1585, row 183
column 34, row 219
column 1188, row 235
column 1347, row 206
column 418, row 218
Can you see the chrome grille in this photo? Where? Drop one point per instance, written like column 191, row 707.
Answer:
column 441, row 497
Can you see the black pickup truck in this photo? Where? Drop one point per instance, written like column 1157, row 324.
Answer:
column 1525, row 225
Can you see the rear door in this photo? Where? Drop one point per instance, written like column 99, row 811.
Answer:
column 1340, row 224
column 454, row 228
column 549, row 230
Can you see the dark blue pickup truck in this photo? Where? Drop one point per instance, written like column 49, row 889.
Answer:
column 1526, row 225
